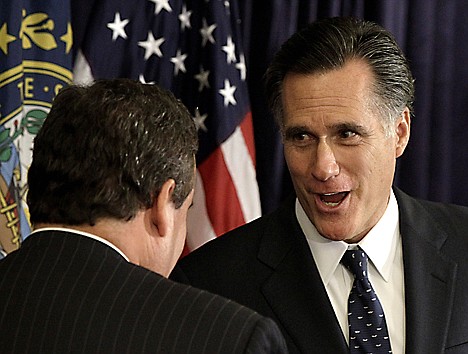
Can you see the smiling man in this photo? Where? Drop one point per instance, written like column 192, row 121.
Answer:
column 340, row 157
column 351, row 264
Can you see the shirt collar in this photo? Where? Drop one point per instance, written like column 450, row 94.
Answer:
column 86, row 234
column 380, row 243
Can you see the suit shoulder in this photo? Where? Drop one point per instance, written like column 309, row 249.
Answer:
column 245, row 238
column 450, row 215
column 267, row 338
column 434, row 218
column 218, row 325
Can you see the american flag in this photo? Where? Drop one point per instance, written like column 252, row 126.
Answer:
column 194, row 49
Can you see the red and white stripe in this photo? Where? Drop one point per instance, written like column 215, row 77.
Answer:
column 226, row 190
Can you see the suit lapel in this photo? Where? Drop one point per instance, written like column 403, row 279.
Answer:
column 298, row 298
column 295, row 291
column 429, row 278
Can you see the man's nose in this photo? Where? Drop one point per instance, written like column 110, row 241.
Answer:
column 325, row 165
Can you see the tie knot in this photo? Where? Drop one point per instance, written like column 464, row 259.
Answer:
column 356, row 262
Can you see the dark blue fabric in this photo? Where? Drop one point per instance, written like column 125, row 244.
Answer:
column 367, row 327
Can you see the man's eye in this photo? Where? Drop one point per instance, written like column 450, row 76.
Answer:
column 300, row 136
column 346, row 134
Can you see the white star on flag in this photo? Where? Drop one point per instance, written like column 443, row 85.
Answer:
column 228, row 93
column 178, row 61
column 241, row 67
column 230, row 50
column 202, row 78
column 207, row 33
column 117, row 27
column 199, row 120
column 152, row 45
column 227, row 7
column 142, row 79
column 184, row 18
column 161, row 4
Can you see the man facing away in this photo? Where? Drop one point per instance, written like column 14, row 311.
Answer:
column 351, row 264
column 109, row 188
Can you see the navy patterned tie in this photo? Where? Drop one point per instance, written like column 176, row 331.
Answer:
column 367, row 327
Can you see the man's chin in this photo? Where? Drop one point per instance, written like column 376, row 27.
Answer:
column 339, row 235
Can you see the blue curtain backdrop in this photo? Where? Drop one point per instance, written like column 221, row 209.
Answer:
column 432, row 33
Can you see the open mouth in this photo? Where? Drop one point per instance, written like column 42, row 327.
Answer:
column 333, row 199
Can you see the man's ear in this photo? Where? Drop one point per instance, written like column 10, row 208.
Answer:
column 403, row 132
column 162, row 213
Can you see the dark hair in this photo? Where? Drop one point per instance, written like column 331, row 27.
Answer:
column 107, row 149
column 329, row 44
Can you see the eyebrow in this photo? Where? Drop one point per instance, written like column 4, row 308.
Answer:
column 358, row 128
column 298, row 129
column 289, row 132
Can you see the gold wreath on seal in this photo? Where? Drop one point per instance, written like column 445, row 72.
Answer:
column 36, row 28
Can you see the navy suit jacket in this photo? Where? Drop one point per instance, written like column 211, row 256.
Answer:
column 66, row 293
column 267, row 265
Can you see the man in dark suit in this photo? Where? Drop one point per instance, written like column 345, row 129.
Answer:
column 342, row 93
column 109, row 188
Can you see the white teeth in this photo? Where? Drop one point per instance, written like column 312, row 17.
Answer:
column 331, row 203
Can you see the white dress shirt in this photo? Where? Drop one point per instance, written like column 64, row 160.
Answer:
column 82, row 233
column 383, row 247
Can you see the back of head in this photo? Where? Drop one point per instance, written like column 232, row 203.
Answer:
column 105, row 151
column 329, row 44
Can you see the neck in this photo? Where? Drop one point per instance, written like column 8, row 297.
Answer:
column 135, row 238
column 122, row 234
